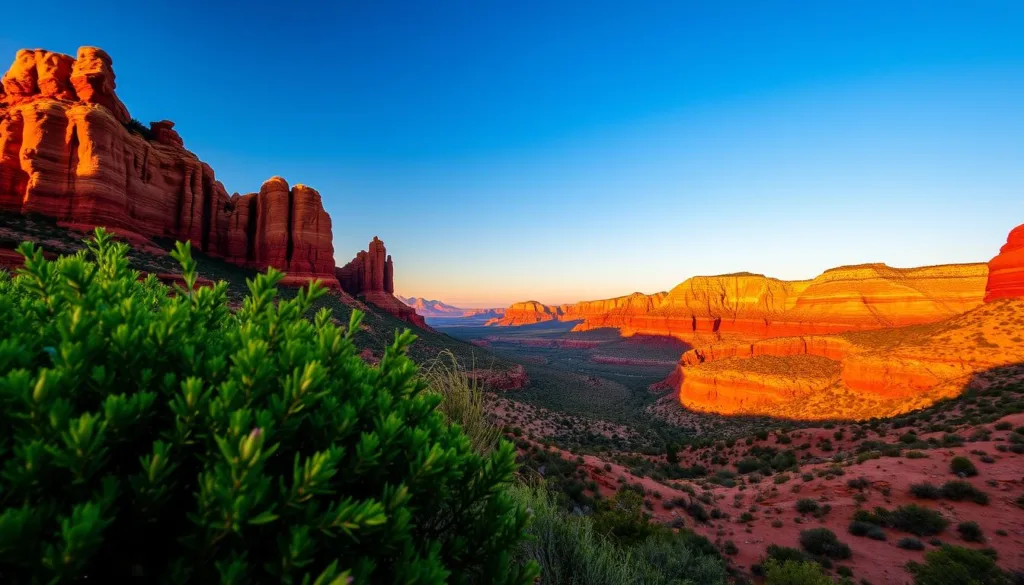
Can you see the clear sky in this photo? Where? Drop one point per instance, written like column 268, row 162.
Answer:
column 561, row 151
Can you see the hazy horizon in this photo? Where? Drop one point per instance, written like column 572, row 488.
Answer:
column 589, row 150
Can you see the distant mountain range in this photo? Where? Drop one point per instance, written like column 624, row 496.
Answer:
column 432, row 309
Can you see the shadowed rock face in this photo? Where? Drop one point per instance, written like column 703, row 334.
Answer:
column 1006, row 271
column 66, row 152
column 370, row 276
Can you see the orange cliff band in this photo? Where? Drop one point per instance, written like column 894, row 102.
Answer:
column 69, row 150
column 1006, row 271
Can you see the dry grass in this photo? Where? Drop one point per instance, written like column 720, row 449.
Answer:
column 462, row 400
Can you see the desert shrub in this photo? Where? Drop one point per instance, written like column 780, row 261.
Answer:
column 970, row 531
column 925, row 491
column 916, row 520
column 783, row 554
column 959, row 490
column 910, row 543
column 955, row 565
column 1003, row 426
column 139, row 128
column 823, row 542
column 858, row 483
column 807, row 506
column 164, row 436
column 916, row 455
column 571, row 549
column 876, row 533
column 793, row 573
column 860, row 528
column 962, row 466
column 567, row 546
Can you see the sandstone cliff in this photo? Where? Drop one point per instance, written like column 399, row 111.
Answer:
column 69, row 150
column 370, row 276
column 869, row 296
column 1006, row 271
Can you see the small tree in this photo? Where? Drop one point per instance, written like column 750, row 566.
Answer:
column 154, row 433
column 956, row 565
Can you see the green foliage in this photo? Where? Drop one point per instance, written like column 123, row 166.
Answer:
column 954, row 565
column 925, row 491
column 794, row 573
column 910, row 543
column 962, row 466
column 959, row 491
column 571, row 550
column 970, row 531
column 807, row 506
column 462, row 401
column 911, row 518
column 154, row 433
column 139, row 128
column 823, row 542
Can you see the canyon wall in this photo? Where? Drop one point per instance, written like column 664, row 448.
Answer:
column 869, row 296
column 69, row 150
column 878, row 372
column 1006, row 271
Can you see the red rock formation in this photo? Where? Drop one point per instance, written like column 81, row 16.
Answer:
column 851, row 298
column 66, row 152
column 528, row 313
column 1006, row 271
column 370, row 277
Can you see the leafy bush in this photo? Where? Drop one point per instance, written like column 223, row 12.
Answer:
column 925, row 491
column 910, row 543
column 860, row 528
column 916, row 520
column 794, row 573
column 783, row 554
column 959, row 491
column 962, row 466
column 570, row 549
column 807, row 506
column 955, row 565
column 823, row 542
column 139, row 128
column 163, row 436
column 970, row 531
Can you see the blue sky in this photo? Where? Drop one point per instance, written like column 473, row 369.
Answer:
column 561, row 151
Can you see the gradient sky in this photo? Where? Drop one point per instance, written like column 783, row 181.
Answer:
column 562, row 151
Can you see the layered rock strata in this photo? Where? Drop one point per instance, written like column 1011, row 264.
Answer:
column 1006, row 271
column 370, row 276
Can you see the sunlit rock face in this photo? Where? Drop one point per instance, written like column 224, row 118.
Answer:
column 1006, row 271
column 69, row 150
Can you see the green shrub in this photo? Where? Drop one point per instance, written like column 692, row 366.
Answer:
column 807, row 506
column 962, row 466
column 783, row 554
column 925, row 491
column 793, row 573
column 916, row 520
column 164, row 436
column 910, row 543
column 954, row 565
column 970, row 531
column 823, row 542
column 860, row 528
column 570, row 549
column 959, row 491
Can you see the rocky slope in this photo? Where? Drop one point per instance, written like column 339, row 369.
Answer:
column 1006, row 271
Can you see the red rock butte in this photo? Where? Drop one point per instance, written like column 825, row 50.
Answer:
column 1006, row 271
column 69, row 150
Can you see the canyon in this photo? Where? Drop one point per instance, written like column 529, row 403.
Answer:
column 855, row 342
column 434, row 309
column 70, row 151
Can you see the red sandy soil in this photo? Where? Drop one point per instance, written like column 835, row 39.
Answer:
column 889, row 480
